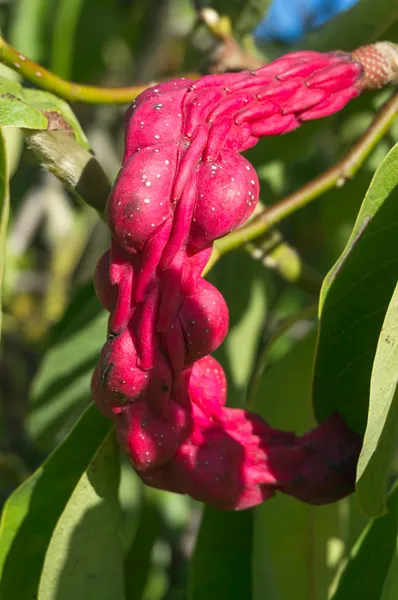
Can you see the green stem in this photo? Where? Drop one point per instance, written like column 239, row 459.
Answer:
column 335, row 176
column 276, row 254
column 46, row 80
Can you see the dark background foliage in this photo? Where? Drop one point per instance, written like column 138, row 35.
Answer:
column 81, row 525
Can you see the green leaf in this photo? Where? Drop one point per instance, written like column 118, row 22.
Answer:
column 14, row 147
column 366, row 568
column 14, row 111
column 354, row 299
column 13, row 137
column 45, row 101
column 32, row 511
column 29, row 108
column 380, row 440
column 85, row 557
column 221, row 564
column 4, row 212
column 62, row 384
column 296, row 546
column 390, row 588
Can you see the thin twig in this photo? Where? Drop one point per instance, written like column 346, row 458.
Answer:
column 276, row 254
column 50, row 82
column 219, row 26
column 344, row 169
column 229, row 55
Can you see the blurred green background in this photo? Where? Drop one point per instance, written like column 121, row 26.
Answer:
column 50, row 309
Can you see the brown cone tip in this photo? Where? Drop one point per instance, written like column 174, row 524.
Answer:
column 380, row 63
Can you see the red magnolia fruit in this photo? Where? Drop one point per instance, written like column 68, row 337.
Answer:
column 182, row 185
column 227, row 194
column 106, row 292
column 331, row 452
column 151, row 441
column 141, row 199
column 204, row 321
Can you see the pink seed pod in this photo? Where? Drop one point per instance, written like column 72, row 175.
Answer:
column 121, row 378
column 228, row 192
column 230, row 469
column 217, row 472
column 124, row 307
column 145, row 123
column 240, row 138
column 204, row 320
column 330, row 452
column 208, row 386
column 100, row 397
column 140, row 202
column 151, row 442
column 106, row 292
column 182, row 185
column 194, row 265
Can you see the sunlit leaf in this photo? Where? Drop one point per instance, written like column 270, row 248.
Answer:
column 14, row 111
column 390, row 588
column 369, row 560
column 354, row 299
column 62, row 384
column 380, row 440
column 85, row 557
column 29, row 108
column 49, row 103
column 32, row 511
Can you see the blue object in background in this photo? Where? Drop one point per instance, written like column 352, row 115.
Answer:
column 288, row 20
